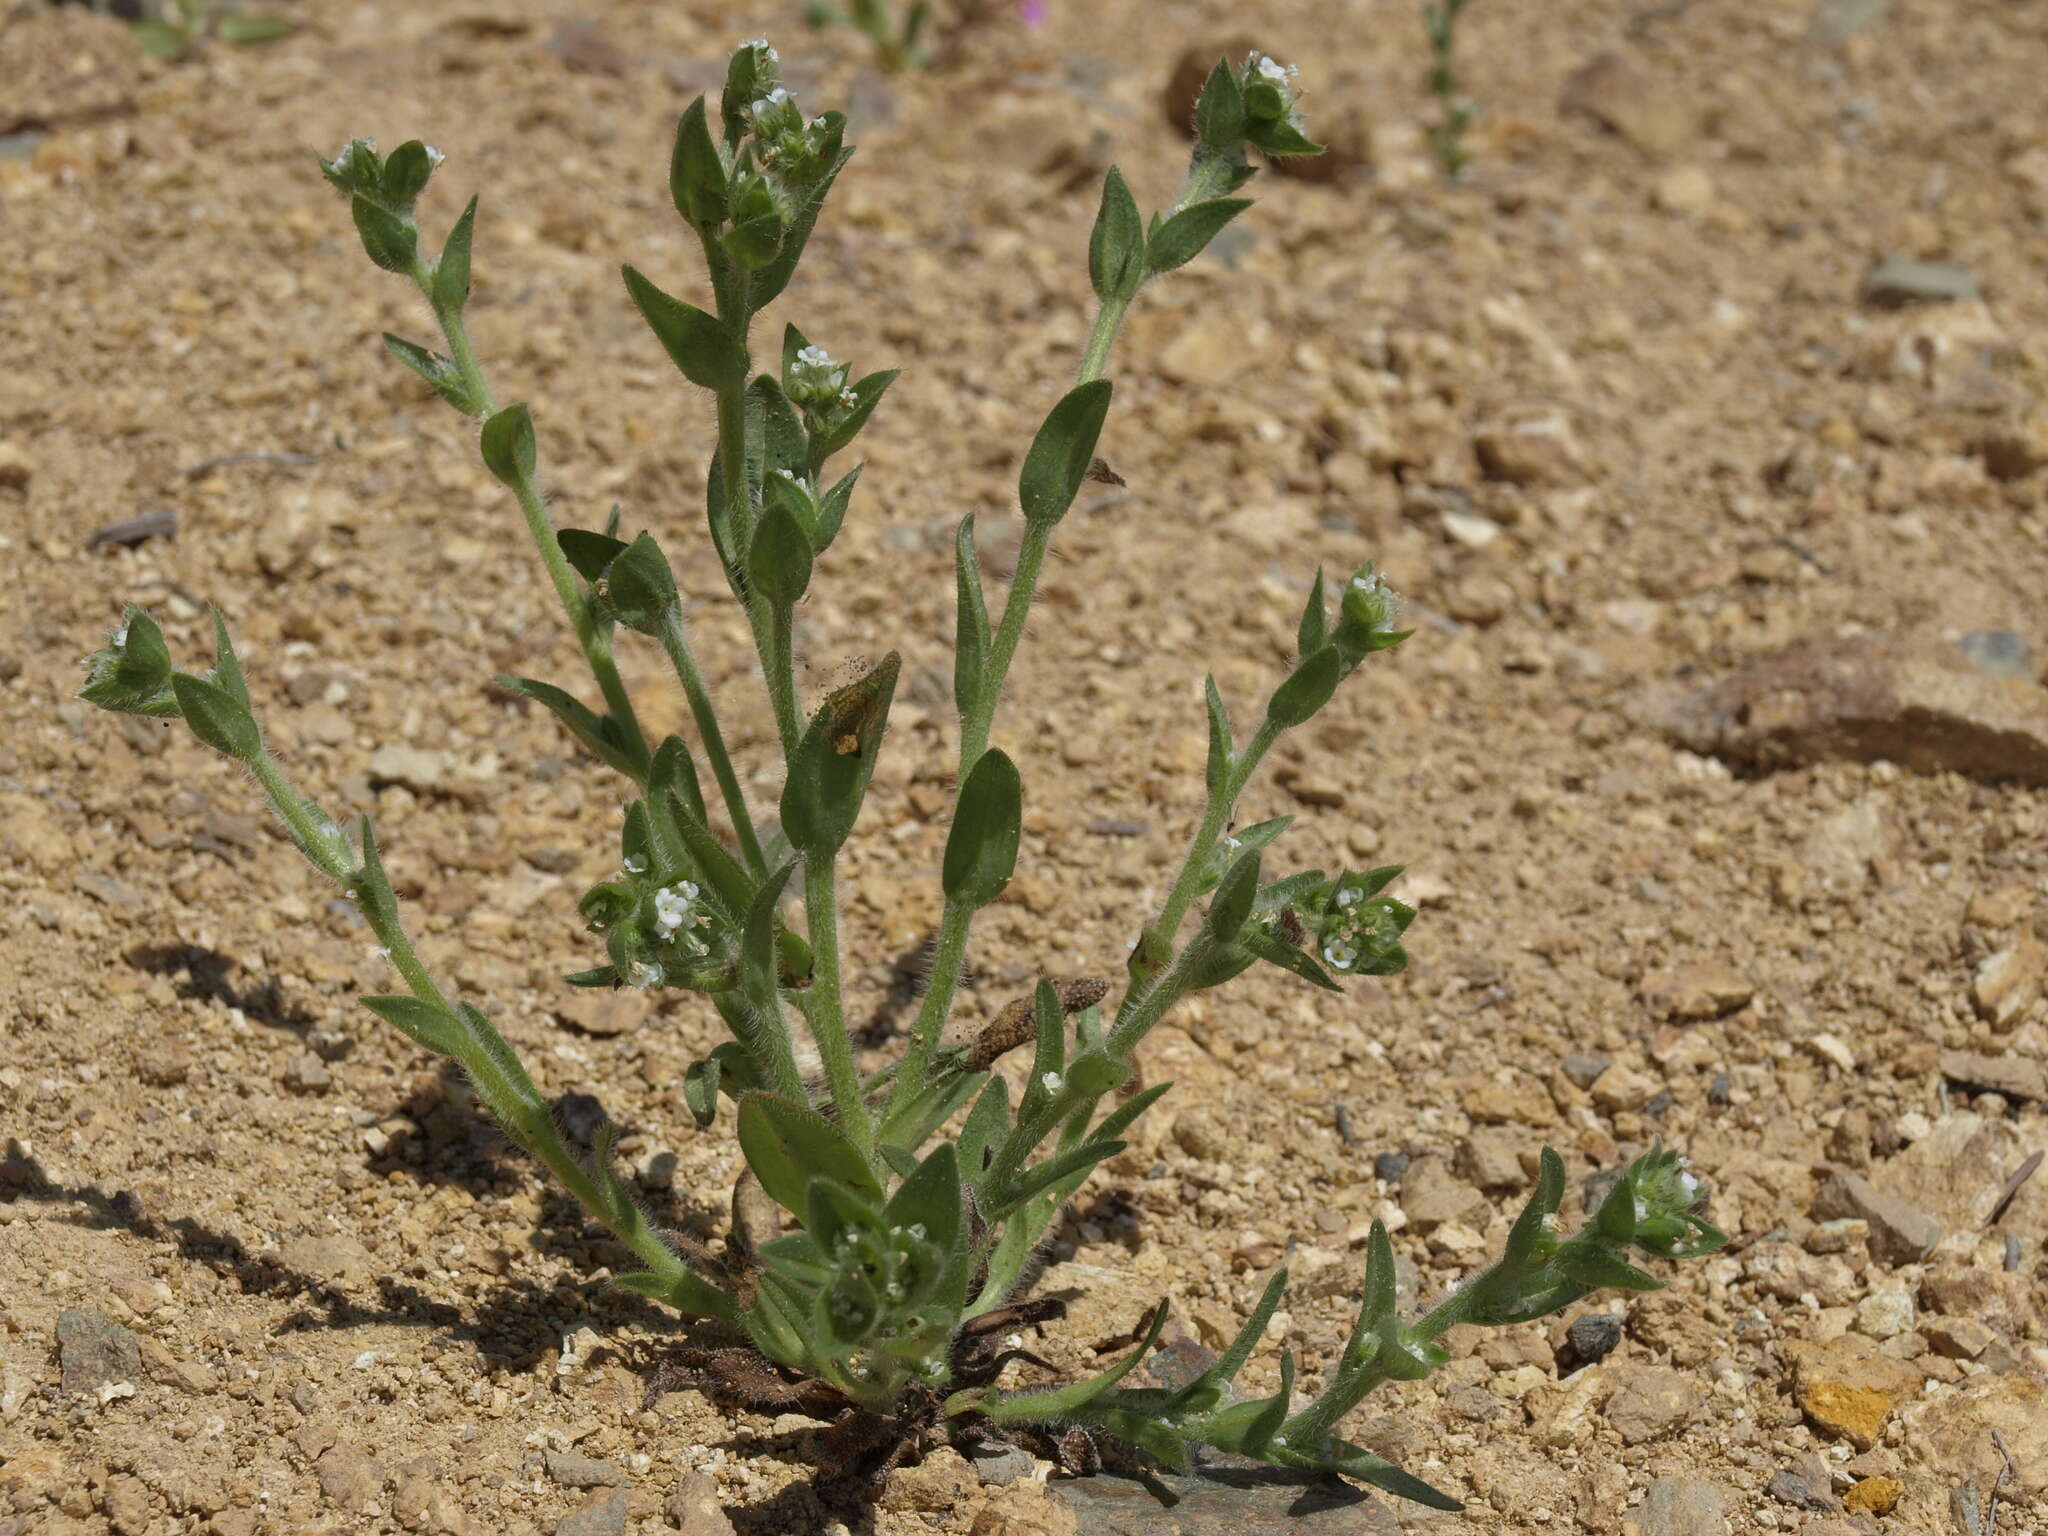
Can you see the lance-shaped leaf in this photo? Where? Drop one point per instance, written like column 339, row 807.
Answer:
column 1219, row 110
column 696, row 173
column 217, row 717
column 971, row 635
column 867, row 394
column 1061, row 453
column 1060, row 1402
column 1222, row 746
column 707, row 353
column 390, row 241
column 1184, row 236
column 507, row 445
column 985, row 1127
column 1207, row 1390
column 1307, row 688
column 779, row 559
column 451, row 270
column 687, row 1291
column 1054, row 1170
column 1589, row 1263
column 1354, row 1461
column 830, row 770
column 788, row 1145
column 729, row 1068
column 832, row 509
column 1116, row 246
column 595, row 732
column 422, row 1023
column 1313, row 633
column 674, row 773
column 981, row 847
column 1234, row 896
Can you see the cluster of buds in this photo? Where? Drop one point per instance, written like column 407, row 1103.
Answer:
column 657, row 934
column 1358, row 931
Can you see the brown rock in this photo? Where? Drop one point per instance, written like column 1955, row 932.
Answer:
column 1955, row 1434
column 2008, row 982
column 1703, row 991
column 1617, row 92
column 598, row 1011
column 1900, row 1232
column 1855, row 1414
column 95, row 1354
column 1431, row 1196
column 1621, row 1088
column 1959, row 1338
column 64, row 66
column 1863, row 700
column 2000, row 908
column 1876, row 1495
column 1491, row 1157
column 1536, row 451
column 694, row 1508
column 2016, row 1077
column 941, row 1483
column 167, row 1370
column 1650, row 1402
column 349, row 1478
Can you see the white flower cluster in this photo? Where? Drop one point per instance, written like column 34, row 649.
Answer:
column 672, row 907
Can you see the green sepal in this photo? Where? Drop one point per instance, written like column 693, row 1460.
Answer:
column 217, row 717
column 1528, row 1236
column 1183, row 237
column 772, row 279
column 757, row 228
column 390, row 241
column 832, row 764
column 981, row 847
column 588, row 553
column 788, row 1145
column 1094, row 1073
column 437, row 370
column 1307, row 688
column 422, row 1023
column 450, row 289
column 1062, row 452
column 1219, row 110
column 507, row 445
column 708, row 354
column 1281, row 136
column 696, row 171
column 133, row 676
column 1116, row 246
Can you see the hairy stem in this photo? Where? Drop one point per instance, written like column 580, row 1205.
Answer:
column 827, row 1013
column 947, row 964
column 677, row 643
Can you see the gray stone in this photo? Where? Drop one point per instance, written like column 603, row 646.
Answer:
column 1650, row 1402
column 2016, row 1077
column 1900, row 1232
column 1679, row 1506
column 1593, row 1337
column 603, row 1514
column 694, row 1508
column 96, row 1354
column 1803, row 1487
column 1224, row 1502
column 1000, row 1465
column 1998, row 652
column 573, row 1469
column 1897, row 281
column 1582, row 1070
column 1834, row 22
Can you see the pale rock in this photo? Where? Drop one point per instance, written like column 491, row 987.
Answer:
column 1702, row 991
column 1886, row 1313
column 1650, row 1402
column 2008, row 982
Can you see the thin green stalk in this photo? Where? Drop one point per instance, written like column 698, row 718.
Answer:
column 778, row 662
column 827, row 1012
column 1109, row 319
column 1157, row 1001
column 677, row 643
column 975, row 727
column 947, row 963
column 590, row 634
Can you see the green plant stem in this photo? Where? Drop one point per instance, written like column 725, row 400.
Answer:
column 501, row 1082
column 1157, row 1001
column 947, row 963
column 827, row 1013
column 1215, row 820
column 591, row 634
column 1109, row 319
column 1350, row 1388
column 676, row 642
column 778, row 663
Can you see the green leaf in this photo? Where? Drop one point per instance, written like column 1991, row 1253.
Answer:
column 867, row 394
column 1219, row 110
column 1234, row 896
column 689, row 1293
column 1116, row 246
column 773, row 278
column 1054, row 1170
column 788, row 1145
column 1184, row 236
column 1268, row 947
column 422, row 1023
column 1064, row 1402
column 703, row 1080
column 437, row 370
column 986, row 1126
column 255, row 29
column 133, row 673
column 971, row 635
column 1062, row 452
column 589, row 554
column 1222, row 746
column 832, row 508
column 1596, row 1267
column 1307, row 689
column 930, row 1198
column 831, row 767
column 798, row 1258
column 217, row 717
column 673, row 774
column 160, row 40
column 507, row 445
column 1314, row 631
column 595, row 732
column 1281, row 137
column 1208, row 1387
column 917, row 1116
column 389, row 240
column 1354, row 1461
column 451, row 271
column 1530, row 1226
column 696, row 173
column 779, row 560
column 708, row 354
column 639, row 586
column 981, row 848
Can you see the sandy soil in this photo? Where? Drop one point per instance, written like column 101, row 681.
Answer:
column 1624, row 415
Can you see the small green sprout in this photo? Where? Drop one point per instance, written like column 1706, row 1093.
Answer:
column 884, row 1230
column 1454, row 112
column 182, row 25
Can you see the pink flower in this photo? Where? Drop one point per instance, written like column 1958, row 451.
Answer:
column 1033, row 12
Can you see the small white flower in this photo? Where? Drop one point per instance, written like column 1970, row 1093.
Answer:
column 1271, row 69
column 1339, row 954
column 1052, row 1082
column 644, row 974
column 434, row 156
column 814, row 357
column 847, row 399
column 1350, row 896
column 635, row 865
column 917, row 1230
